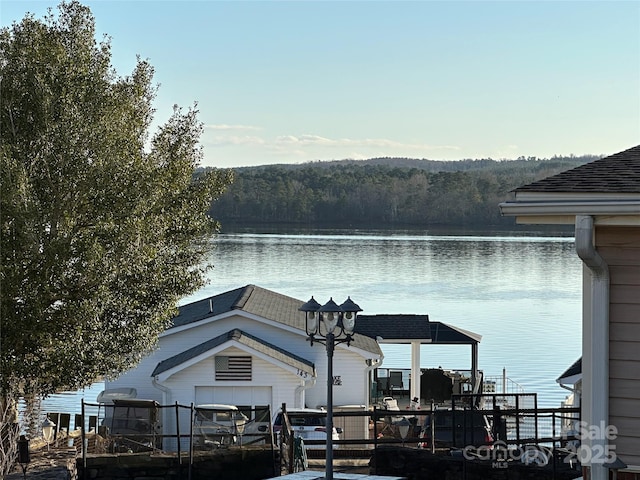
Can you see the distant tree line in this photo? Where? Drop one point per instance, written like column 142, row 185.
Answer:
column 382, row 192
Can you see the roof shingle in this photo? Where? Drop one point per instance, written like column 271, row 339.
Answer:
column 406, row 328
column 618, row 173
column 395, row 328
column 262, row 303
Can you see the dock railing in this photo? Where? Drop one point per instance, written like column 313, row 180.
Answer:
column 537, row 426
column 174, row 428
column 540, row 429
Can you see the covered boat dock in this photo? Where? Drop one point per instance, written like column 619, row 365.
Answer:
column 417, row 330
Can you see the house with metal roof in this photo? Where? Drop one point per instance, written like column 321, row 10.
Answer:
column 602, row 200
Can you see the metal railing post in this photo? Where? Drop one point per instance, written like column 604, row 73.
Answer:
column 178, row 434
column 535, row 406
column 517, row 422
column 191, row 441
column 83, row 437
column 375, row 438
column 432, row 425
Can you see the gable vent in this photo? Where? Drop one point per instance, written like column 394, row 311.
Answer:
column 237, row 368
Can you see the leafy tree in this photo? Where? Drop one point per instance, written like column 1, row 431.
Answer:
column 103, row 228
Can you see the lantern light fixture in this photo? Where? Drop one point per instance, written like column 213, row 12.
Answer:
column 47, row 431
column 330, row 324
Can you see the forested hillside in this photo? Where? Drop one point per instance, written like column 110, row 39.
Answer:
column 382, row 192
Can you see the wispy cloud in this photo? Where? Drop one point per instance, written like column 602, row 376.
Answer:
column 309, row 146
column 316, row 140
column 231, row 127
column 237, row 140
column 302, row 140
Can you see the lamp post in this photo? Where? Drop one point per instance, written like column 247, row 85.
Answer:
column 403, row 428
column 240, row 423
column 47, row 431
column 321, row 322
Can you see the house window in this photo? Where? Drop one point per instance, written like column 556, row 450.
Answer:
column 233, row 368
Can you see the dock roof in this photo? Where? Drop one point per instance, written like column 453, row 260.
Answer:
column 395, row 328
column 403, row 328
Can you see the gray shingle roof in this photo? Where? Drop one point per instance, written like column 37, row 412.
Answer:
column 244, row 338
column 208, row 307
column 405, row 328
column 618, row 173
column 260, row 302
column 441, row 333
column 396, row 328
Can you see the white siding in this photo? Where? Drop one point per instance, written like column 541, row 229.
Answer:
column 282, row 383
column 349, row 366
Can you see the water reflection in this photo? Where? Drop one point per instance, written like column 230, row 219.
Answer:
column 522, row 294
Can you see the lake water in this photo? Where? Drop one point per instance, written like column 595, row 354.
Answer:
column 521, row 293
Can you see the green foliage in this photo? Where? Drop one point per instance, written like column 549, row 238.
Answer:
column 103, row 230
column 382, row 192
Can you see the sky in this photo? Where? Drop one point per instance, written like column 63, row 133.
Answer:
column 303, row 81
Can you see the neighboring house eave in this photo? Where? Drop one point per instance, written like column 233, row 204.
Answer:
column 574, row 197
column 552, row 211
column 525, row 202
column 571, row 208
column 571, row 380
